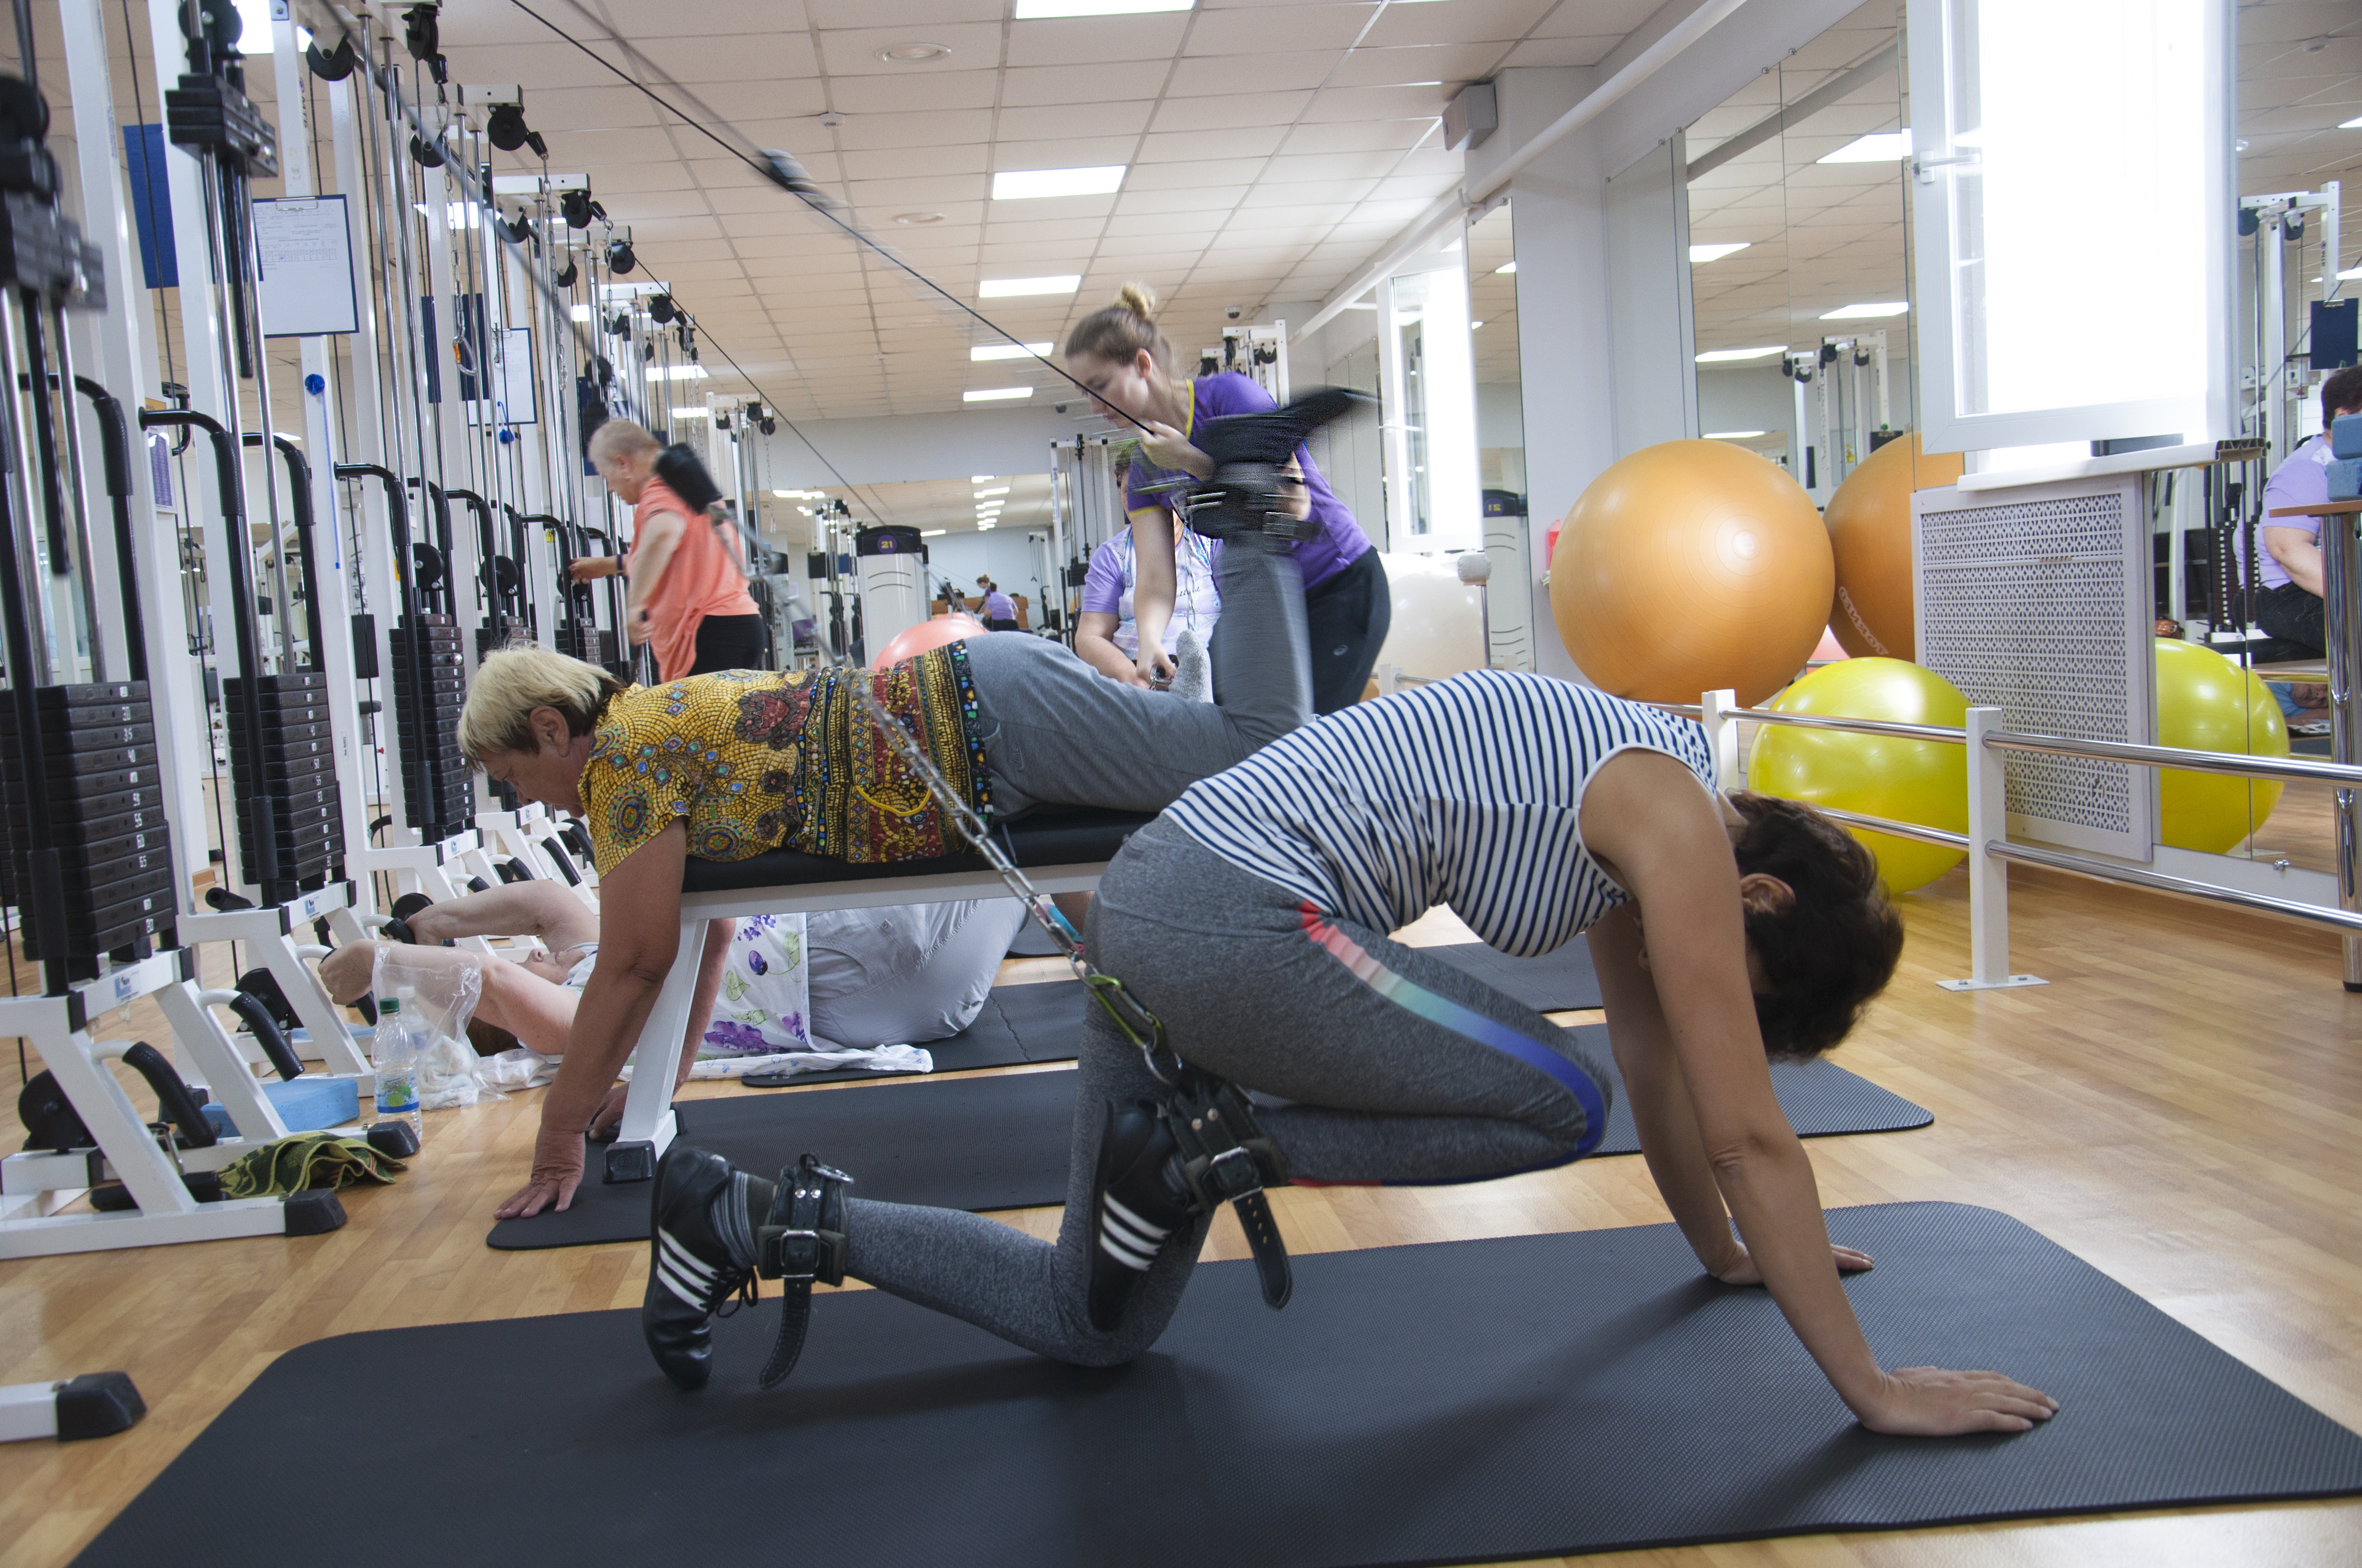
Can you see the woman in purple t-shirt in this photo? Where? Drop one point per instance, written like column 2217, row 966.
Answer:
column 1126, row 364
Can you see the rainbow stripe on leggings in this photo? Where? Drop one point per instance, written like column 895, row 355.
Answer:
column 1414, row 997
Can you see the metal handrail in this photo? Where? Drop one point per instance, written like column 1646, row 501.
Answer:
column 2230, row 762
column 2107, row 871
column 1854, row 726
column 1888, row 825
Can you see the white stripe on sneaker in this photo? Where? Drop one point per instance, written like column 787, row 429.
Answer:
column 1136, row 1262
column 1155, row 1234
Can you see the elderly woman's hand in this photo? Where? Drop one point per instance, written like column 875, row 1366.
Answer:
column 557, row 1171
column 1168, row 448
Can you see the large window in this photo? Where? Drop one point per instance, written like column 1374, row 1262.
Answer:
column 2072, row 210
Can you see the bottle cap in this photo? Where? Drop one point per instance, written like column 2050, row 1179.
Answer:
column 389, row 1004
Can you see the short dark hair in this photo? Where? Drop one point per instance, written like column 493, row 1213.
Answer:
column 1834, row 947
column 2342, row 390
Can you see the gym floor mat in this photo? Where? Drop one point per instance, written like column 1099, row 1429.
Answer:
column 1039, row 1023
column 1001, row 1141
column 988, row 1142
column 1559, row 981
column 1465, row 1401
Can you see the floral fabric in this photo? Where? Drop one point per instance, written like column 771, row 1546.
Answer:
column 754, row 760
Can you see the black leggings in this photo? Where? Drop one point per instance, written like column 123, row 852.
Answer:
column 730, row 642
column 1345, row 623
column 2293, row 615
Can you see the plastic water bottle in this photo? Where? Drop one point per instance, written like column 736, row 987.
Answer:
column 395, row 1056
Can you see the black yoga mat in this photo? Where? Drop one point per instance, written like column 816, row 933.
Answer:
column 1469, row 1401
column 1002, row 1142
column 1561, row 981
column 988, row 1142
column 1039, row 1023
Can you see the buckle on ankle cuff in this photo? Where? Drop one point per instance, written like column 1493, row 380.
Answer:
column 800, row 1257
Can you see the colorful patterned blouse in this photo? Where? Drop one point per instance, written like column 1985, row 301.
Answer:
column 758, row 759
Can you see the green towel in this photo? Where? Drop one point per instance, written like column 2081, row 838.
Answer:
column 304, row 1161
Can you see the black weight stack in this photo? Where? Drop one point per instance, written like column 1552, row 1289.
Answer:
column 438, row 797
column 106, row 821
column 297, row 772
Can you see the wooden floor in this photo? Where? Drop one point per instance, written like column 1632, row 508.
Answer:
column 2182, row 1105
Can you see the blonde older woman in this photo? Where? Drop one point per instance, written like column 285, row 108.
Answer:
column 725, row 767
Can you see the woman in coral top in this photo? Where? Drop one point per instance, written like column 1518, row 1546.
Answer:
column 689, row 600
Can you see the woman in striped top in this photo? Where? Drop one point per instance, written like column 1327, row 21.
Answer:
column 1251, row 918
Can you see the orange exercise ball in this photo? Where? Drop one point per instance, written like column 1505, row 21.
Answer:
column 1688, row 567
column 925, row 635
column 1870, row 536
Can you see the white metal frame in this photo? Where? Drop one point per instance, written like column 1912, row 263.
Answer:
column 648, row 1125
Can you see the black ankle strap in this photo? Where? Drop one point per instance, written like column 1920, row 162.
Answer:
column 801, row 1242
column 1226, row 1157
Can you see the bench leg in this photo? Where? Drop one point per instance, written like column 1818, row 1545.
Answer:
column 648, row 1127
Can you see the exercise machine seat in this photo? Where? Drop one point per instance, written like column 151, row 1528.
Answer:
column 1047, row 836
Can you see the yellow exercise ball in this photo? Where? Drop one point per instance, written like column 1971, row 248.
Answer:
column 1869, row 535
column 1925, row 782
column 1688, row 567
column 2204, row 702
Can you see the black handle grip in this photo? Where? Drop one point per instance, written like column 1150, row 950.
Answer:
column 256, row 1015
column 173, row 1100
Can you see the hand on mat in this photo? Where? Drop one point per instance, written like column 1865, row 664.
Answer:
column 1742, row 1270
column 1927, row 1401
column 557, row 1171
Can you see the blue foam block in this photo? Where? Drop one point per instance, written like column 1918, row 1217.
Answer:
column 2346, row 435
column 306, row 1104
column 2345, row 479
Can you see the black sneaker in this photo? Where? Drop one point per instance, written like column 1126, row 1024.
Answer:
column 1138, row 1202
column 691, row 1272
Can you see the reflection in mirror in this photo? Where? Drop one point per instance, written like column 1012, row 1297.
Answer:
column 1500, row 430
column 1799, row 268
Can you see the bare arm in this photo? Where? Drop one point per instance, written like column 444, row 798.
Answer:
column 1095, row 644
column 1645, row 814
column 2299, row 554
column 1153, row 588
column 656, row 545
column 639, row 933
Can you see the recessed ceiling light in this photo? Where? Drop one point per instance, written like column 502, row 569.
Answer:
column 1873, row 310
column 1032, row 184
column 997, row 490
column 2354, row 124
column 932, row 532
column 1702, row 254
column 1726, row 356
column 912, row 53
column 915, row 219
column 994, row 394
column 981, row 478
column 1474, row 325
column 1505, row 266
column 677, row 373
column 1732, row 434
column 692, row 413
column 1027, row 10
column 1878, row 146
column 1007, row 351
column 1011, row 288
column 788, row 494
column 984, row 528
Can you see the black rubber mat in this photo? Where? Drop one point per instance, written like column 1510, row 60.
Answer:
column 1562, row 981
column 1039, row 1023
column 1531, row 1396
column 989, row 1142
column 1001, row 1141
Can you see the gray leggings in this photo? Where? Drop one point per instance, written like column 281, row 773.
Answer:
column 1057, row 730
column 1392, row 1066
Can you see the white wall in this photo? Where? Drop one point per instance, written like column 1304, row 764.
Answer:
column 917, row 447
column 1003, row 553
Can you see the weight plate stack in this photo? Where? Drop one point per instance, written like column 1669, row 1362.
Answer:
column 294, row 768
column 439, row 798
column 106, row 817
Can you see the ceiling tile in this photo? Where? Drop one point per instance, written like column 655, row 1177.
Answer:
column 852, row 51
column 1081, row 41
column 1176, row 146
column 1355, row 105
column 1253, row 74
column 1265, row 28
column 1448, row 64
column 927, row 90
column 766, row 56
column 1196, row 172
column 1061, row 84
column 915, row 162
column 1069, row 152
column 1559, row 52
column 1455, row 21
column 945, row 128
column 1227, row 110
column 1075, row 120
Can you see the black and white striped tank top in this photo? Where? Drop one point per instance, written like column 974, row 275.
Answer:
column 1464, row 792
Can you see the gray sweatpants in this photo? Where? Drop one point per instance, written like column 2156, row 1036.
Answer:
column 1057, row 730
column 1393, row 1066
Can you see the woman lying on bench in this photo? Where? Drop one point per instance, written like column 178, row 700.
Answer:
column 726, row 766
column 900, row 974
column 1252, row 918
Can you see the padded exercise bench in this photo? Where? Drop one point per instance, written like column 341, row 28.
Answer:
column 1062, row 848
